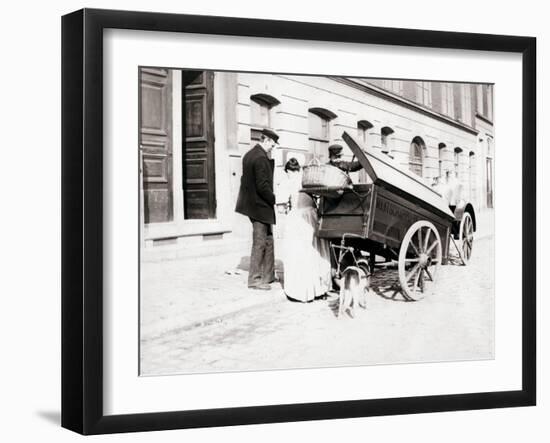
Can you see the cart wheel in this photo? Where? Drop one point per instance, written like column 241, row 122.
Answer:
column 419, row 260
column 466, row 237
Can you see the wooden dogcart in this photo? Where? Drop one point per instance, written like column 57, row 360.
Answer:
column 396, row 217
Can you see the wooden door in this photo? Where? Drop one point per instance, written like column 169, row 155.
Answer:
column 489, row 182
column 199, row 193
column 155, row 138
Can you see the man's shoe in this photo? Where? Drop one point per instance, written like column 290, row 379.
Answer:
column 261, row 286
column 272, row 279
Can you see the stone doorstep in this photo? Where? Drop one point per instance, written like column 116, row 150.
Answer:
column 197, row 248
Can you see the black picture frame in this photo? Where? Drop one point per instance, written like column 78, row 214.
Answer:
column 82, row 221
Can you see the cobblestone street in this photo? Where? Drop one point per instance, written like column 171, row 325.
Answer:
column 195, row 317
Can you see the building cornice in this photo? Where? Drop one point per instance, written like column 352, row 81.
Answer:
column 379, row 92
column 483, row 118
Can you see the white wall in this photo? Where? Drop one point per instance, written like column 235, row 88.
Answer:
column 300, row 93
column 30, row 223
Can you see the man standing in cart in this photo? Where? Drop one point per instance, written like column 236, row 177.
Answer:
column 256, row 200
column 335, row 159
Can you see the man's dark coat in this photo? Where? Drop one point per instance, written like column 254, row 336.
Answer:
column 256, row 198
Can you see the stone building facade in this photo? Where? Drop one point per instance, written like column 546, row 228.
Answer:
column 195, row 126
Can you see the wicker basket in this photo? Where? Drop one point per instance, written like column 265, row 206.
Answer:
column 316, row 175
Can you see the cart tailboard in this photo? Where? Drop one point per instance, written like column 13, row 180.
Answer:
column 349, row 213
column 386, row 174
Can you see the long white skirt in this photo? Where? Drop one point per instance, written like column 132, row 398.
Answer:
column 306, row 258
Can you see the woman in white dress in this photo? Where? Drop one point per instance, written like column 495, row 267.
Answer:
column 306, row 257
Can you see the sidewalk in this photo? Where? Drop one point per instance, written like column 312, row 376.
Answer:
column 182, row 294
column 485, row 224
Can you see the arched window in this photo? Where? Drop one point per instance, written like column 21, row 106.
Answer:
column 260, row 113
column 457, row 160
column 424, row 93
column 385, row 141
column 489, row 147
column 395, row 86
column 484, row 97
column 472, row 174
column 363, row 127
column 441, row 153
column 319, row 131
column 447, row 99
column 489, row 172
column 416, row 156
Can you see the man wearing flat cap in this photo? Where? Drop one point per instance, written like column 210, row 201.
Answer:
column 256, row 200
column 335, row 159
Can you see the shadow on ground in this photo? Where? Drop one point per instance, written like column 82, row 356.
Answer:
column 53, row 417
column 244, row 264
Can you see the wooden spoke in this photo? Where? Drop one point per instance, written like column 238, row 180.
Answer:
column 466, row 237
column 469, row 249
column 417, row 271
column 414, row 271
column 415, row 285
column 432, row 246
column 426, row 240
column 416, row 251
column 420, row 239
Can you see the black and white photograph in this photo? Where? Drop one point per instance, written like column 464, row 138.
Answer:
column 302, row 221
column 247, row 221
